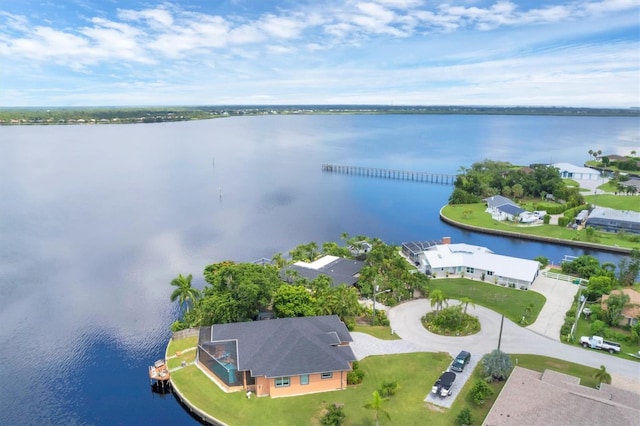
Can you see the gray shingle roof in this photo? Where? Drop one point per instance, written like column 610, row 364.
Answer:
column 289, row 346
column 498, row 200
column 532, row 398
column 341, row 271
column 511, row 209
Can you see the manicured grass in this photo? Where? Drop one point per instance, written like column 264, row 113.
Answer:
column 415, row 374
column 379, row 331
column 474, row 214
column 188, row 356
column 541, row 363
column 510, row 302
column 182, row 344
column 618, row 202
column 570, row 182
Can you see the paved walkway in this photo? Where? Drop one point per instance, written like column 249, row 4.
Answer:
column 559, row 296
column 405, row 320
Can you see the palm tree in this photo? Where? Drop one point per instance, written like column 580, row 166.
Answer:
column 467, row 301
column 602, row 375
column 184, row 293
column 376, row 405
column 437, row 299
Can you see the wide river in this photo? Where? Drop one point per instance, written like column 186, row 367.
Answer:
column 95, row 221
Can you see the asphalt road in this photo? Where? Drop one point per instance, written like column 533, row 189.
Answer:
column 405, row 320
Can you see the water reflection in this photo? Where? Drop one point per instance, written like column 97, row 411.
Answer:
column 95, row 221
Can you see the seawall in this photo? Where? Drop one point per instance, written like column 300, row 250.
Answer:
column 551, row 240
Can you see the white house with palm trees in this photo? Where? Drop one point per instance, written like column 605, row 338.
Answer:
column 476, row 262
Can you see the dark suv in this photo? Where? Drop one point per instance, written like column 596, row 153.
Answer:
column 461, row 361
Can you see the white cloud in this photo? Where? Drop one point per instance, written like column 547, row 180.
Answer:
column 385, row 43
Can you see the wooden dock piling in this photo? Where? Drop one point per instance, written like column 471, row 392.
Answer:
column 425, row 177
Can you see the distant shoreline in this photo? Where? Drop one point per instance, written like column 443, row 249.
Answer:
column 10, row 116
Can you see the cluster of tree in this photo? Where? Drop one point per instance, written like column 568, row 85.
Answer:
column 488, row 178
column 238, row 292
column 606, row 276
column 390, row 275
column 450, row 319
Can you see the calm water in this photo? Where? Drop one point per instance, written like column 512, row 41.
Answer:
column 95, row 221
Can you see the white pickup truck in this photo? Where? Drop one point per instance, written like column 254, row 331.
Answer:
column 597, row 342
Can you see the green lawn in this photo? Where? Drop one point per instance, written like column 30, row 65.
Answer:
column 618, row 202
column 474, row 215
column 379, row 331
column 415, row 374
column 507, row 301
column 541, row 363
column 176, row 346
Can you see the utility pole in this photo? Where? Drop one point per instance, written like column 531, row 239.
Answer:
column 500, row 336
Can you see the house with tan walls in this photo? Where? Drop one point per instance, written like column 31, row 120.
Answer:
column 278, row 357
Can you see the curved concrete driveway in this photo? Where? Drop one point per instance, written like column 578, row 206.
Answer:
column 405, row 320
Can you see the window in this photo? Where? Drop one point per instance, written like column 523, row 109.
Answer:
column 490, row 273
column 304, row 379
column 470, row 270
column 282, row 382
column 326, row 375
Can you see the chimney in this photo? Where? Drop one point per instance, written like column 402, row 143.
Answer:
column 446, row 240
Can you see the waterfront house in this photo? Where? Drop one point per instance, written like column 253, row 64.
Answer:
column 570, row 171
column 503, row 208
column 611, row 220
column 476, row 262
column 339, row 269
column 279, row 357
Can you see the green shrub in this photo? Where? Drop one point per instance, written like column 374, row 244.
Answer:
column 598, row 327
column 388, row 388
column 464, row 417
column 563, row 221
column 480, row 392
column 546, row 219
column 335, row 416
column 355, row 376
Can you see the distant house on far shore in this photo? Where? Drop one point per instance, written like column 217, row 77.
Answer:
column 570, row 171
column 502, row 208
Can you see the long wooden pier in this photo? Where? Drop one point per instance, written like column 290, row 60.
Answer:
column 391, row 174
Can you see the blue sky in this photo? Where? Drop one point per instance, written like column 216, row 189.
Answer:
column 400, row 52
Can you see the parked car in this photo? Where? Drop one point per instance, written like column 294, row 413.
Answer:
column 443, row 385
column 461, row 361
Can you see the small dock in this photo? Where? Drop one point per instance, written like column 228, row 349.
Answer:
column 424, row 177
column 159, row 375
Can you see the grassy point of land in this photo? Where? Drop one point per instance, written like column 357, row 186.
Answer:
column 475, row 215
column 510, row 302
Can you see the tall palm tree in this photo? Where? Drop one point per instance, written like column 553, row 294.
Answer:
column 376, row 405
column 602, row 375
column 467, row 301
column 437, row 299
column 184, row 293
